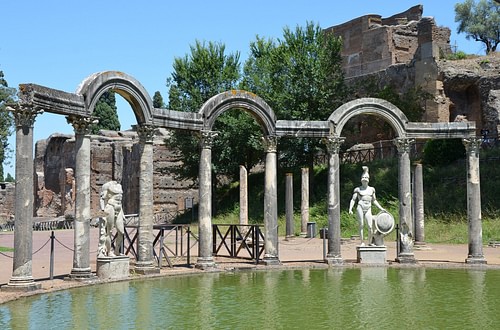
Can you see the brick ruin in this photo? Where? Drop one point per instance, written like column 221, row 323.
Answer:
column 113, row 157
column 407, row 51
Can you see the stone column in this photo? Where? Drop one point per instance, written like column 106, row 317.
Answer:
column 81, row 228
column 304, row 201
column 144, row 264
column 22, row 275
column 475, row 255
column 406, row 233
column 205, row 257
column 418, row 194
column 271, row 256
column 243, row 198
column 289, row 205
column 333, row 256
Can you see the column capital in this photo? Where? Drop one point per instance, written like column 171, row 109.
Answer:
column 24, row 116
column 472, row 145
column 145, row 132
column 207, row 139
column 403, row 145
column 81, row 124
column 270, row 143
column 333, row 144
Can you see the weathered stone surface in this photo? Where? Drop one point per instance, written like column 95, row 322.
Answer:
column 374, row 255
column 113, row 268
column 114, row 156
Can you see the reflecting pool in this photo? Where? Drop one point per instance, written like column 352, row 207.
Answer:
column 334, row 298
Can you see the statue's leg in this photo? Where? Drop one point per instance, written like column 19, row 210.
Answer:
column 369, row 224
column 360, row 215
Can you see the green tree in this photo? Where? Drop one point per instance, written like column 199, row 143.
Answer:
column 158, row 101
column 208, row 71
column 300, row 76
column 480, row 21
column 6, row 120
column 106, row 112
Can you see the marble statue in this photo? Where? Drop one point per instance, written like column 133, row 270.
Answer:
column 111, row 204
column 365, row 197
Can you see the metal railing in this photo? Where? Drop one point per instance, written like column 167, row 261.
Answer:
column 238, row 241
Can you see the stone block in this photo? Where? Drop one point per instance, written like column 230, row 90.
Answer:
column 375, row 255
column 113, row 268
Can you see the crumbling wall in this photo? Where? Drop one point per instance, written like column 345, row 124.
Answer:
column 114, row 156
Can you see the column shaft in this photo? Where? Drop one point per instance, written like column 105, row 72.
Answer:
column 334, row 255
column 304, row 201
column 22, row 272
column 406, row 233
column 418, row 190
column 205, row 255
column 290, row 230
column 271, row 203
column 81, row 226
column 145, row 263
column 475, row 255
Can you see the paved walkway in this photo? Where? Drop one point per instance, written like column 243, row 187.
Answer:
column 294, row 252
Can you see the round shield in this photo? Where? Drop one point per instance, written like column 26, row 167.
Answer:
column 384, row 222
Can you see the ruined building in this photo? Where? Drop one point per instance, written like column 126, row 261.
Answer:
column 408, row 50
column 114, row 156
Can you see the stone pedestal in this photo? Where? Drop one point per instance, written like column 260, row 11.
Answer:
column 372, row 254
column 21, row 285
column 113, row 268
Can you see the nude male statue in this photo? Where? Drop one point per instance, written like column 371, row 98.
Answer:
column 365, row 196
column 111, row 204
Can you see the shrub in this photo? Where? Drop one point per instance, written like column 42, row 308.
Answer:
column 443, row 152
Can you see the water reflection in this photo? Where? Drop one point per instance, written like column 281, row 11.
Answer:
column 354, row 298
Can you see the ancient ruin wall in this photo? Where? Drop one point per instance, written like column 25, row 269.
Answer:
column 372, row 43
column 114, row 156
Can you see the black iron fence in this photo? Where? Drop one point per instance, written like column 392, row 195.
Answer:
column 238, row 241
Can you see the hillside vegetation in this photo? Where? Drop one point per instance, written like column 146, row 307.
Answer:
column 445, row 197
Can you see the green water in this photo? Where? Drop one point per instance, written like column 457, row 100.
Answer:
column 335, row 298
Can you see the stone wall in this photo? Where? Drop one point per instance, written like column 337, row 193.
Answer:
column 408, row 51
column 372, row 43
column 114, row 156
column 7, row 195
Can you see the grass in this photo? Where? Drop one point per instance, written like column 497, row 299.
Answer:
column 6, row 249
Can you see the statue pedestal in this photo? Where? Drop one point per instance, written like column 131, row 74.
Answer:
column 113, row 267
column 372, row 254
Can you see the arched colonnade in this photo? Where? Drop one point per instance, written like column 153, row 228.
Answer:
column 78, row 107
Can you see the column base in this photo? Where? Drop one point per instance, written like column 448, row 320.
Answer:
column 476, row 260
column 334, row 260
column 205, row 263
column 81, row 274
column 146, row 268
column 24, row 284
column 406, row 258
column 271, row 261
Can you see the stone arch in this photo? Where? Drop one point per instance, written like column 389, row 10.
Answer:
column 240, row 99
column 128, row 87
column 370, row 106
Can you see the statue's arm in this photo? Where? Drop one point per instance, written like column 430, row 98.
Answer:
column 375, row 201
column 353, row 200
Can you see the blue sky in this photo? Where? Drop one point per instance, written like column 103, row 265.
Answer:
column 58, row 43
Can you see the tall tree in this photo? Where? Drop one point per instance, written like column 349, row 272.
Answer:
column 158, row 100
column 208, row 71
column 106, row 113
column 6, row 120
column 480, row 21
column 301, row 78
